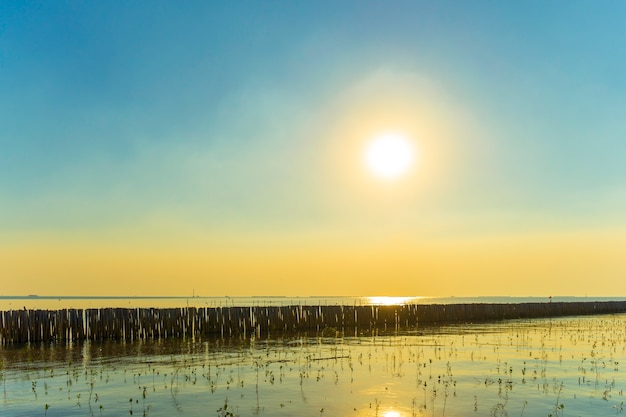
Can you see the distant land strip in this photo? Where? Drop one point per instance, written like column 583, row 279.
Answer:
column 29, row 326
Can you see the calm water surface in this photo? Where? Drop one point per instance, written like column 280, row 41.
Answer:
column 559, row 367
column 79, row 302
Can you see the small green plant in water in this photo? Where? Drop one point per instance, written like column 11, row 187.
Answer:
column 225, row 412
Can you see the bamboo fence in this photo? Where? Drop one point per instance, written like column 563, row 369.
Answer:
column 27, row 326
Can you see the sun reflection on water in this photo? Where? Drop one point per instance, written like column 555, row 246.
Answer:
column 390, row 301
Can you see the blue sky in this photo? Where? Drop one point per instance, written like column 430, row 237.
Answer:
column 89, row 88
column 148, row 118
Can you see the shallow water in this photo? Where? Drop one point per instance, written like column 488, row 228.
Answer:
column 566, row 366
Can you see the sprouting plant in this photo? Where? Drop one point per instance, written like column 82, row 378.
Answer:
column 144, row 400
column 498, row 410
column 91, row 392
column 223, row 411
column 559, row 406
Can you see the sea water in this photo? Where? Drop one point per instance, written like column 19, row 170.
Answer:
column 568, row 366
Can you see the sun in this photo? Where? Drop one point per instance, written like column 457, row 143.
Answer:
column 389, row 155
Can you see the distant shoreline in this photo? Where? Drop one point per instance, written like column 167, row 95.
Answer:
column 113, row 297
column 50, row 302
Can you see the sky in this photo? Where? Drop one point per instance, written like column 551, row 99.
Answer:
column 216, row 148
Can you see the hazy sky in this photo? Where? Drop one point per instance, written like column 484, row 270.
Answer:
column 155, row 148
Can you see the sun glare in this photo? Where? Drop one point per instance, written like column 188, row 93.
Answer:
column 390, row 301
column 389, row 156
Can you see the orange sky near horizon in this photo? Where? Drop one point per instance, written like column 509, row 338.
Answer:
column 534, row 265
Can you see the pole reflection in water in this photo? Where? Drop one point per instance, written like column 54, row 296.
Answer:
column 520, row 367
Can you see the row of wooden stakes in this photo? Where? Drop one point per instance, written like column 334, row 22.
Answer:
column 28, row 326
